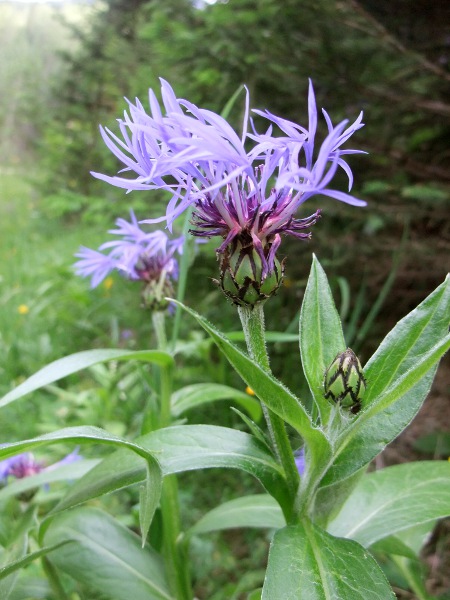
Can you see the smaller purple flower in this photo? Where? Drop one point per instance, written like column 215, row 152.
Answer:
column 25, row 465
column 138, row 255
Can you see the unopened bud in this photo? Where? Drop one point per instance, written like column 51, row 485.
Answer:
column 344, row 381
column 242, row 276
column 155, row 292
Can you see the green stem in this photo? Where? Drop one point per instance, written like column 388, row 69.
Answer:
column 53, row 578
column 411, row 577
column 159, row 325
column 252, row 320
column 174, row 550
column 182, row 278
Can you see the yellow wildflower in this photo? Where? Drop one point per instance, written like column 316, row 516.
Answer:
column 108, row 283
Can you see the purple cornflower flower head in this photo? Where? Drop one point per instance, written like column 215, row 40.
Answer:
column 247, row 197
column 25, row 465
column 22, row 465
column 138, row 255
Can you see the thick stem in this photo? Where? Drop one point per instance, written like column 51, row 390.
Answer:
column 252, row 320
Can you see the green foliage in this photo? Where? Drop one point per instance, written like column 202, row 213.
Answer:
column 46, row 313
column 106, row 556
column 360, row 508
column 307, row 563
column 420, row 489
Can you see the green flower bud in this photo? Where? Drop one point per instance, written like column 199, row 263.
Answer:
column 242, row 277
column 155, row 292
column 344, row 381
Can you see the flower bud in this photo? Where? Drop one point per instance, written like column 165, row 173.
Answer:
column 243, row 278
column 344, row 381
column 155, row 292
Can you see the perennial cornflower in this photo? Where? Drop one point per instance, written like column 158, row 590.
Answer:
column 25, row 465
column 138, row 255
column 247, row 197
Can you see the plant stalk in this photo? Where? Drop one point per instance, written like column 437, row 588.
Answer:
column 174, row 551
column 252, row 320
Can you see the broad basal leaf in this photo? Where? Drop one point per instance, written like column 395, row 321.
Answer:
column 182, row 448
column 151, row 468
column 393, row 499
column 306, row 563
column 106, row 556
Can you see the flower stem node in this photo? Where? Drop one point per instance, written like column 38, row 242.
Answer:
column 244, row 279
column 344, row 381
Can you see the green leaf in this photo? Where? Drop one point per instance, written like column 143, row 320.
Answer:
column 274, row 395
column 76, row 362
column 31, row 588
column 374, row 429
column 408, row 542
column 259, row 510
column 27, row 559
column 411, row 337
column 68, row 472
column 195, row 395
column 399, row 377
column 16, row 549
column 182, row 448
column 97, row 435
column 14, row 553
column 393, row 499
column 321, row 337
column 306, row 563
column 106, row 556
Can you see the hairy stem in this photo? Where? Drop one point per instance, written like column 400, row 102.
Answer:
column 252, row 320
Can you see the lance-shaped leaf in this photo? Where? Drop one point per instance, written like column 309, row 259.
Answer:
column 106, row 556
column 178, row 449
column 408, row 542
column 274, row 395
column 77, row 362
column 372, row 430
column 414, row 335
column 393, row 499
column 306, row 563
column 195, row 395
column 258, row 510
column 151, row 468
column 399, row 376
column 321, row 337
column 12, row 567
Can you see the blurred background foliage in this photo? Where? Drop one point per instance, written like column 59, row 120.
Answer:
column 67, row 66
